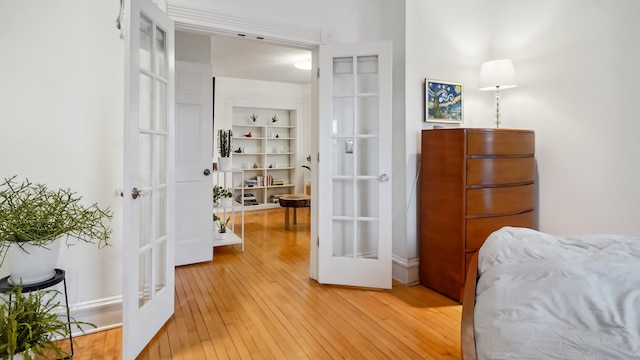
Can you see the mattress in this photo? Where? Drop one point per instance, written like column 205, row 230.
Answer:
column 540, row 296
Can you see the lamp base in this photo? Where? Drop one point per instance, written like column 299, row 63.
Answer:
column 497, row 107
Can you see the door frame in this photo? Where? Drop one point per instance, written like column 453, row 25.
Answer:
column 208, row 22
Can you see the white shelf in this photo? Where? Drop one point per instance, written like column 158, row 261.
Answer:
column 231, row 239
column 226, row 179
column 264, row 148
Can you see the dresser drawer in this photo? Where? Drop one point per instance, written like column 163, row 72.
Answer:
column 500, row 200
column 500, row 142
column 479, row 229
column 500, row 171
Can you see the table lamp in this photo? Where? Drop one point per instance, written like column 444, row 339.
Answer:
column 497, row 75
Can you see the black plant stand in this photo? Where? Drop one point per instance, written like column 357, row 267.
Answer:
column 59, row 276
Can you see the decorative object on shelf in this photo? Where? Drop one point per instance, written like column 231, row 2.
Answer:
column 34, row 217
column 222, row 227
column 270, row 166
column 224, row 149
column 277, row 136
column 255, row 165
column 443, row 101
column 238, row 151
column 219, row 193
column 497, row 75
column 30, row 325
column 248, row 134
column 274, row 119
column 253, row 117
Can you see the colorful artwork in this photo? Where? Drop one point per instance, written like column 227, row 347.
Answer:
column 443, row 101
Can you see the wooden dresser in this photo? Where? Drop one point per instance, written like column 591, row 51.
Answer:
column 472, row 182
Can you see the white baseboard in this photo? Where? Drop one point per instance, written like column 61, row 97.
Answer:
column 105, row 313
column 405, row 271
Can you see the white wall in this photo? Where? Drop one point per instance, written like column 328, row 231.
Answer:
column 61, row 119
column 576, row 65
column 193, row 47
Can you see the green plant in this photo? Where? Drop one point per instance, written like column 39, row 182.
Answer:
column 223, row 225
column 253, row 117
column 30, row 324
column 220, row 192
column 308, row 167
column 224, row 142
column 274, row 118
column 33, row 213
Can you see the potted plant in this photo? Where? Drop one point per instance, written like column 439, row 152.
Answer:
column 222, row 196
column 308, row 167
column 34, row 219
column 216, row 223
column 222, row 228
column 30, row 325
column 224, row 149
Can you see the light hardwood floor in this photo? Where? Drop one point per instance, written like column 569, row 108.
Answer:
column 261, row 304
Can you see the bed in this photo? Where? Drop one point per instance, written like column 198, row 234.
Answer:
column 531, row 295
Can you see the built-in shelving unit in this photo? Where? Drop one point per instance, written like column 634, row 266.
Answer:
column 266, row 151
column 226, row 179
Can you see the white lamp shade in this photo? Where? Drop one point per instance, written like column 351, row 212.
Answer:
column 497, row 73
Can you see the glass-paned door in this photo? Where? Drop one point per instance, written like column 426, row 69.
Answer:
column 148, row 280
column 355, row 163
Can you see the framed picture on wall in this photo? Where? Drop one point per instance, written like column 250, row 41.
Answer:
column 443, row 102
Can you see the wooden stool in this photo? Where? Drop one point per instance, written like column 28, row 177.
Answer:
column 294, row 201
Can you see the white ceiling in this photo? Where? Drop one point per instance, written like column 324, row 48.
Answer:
column 243, row 58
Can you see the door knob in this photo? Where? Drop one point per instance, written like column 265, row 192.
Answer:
column 206, row 172
column 384, row 178
column 136, row 193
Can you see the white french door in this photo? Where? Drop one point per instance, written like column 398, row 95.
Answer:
column 149, row 185
column 354, row 168
column 194, row 153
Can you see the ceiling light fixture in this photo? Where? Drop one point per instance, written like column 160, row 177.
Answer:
column 303, row 64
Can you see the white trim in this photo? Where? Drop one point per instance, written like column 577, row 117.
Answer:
column 406, row 271
column 105, row 313
column 199, row 20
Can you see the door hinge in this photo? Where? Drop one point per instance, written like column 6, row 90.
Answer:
column 318, row 73
column 318, row 242
column 318, row 157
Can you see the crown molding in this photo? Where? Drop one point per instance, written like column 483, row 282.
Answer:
column 205, row 21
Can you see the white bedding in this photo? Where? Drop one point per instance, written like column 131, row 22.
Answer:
column 546, row 297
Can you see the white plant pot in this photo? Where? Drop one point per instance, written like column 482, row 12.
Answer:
column 21, row 356
column 29, row 264
column 224, row 163
column 227, row 202
column 222, row 235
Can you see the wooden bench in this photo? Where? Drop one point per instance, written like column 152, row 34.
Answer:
column 294, row 201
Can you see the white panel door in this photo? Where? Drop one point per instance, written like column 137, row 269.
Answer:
column 354, row 200
column 149, row 217
column 194, row 154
